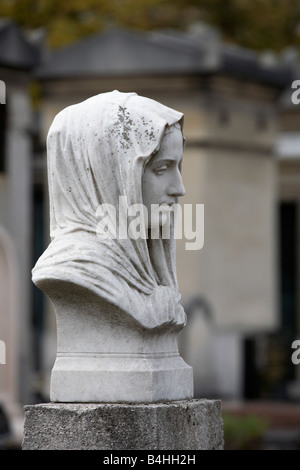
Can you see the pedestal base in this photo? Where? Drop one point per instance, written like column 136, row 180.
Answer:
column 104, row 356
column 120, row 379
column 175, row 425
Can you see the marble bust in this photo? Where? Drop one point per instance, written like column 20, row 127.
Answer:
column 115, row 295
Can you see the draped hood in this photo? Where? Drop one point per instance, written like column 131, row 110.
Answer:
column 96, row 152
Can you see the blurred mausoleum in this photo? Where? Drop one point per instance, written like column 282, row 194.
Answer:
column 241, row 161
column 18, row 58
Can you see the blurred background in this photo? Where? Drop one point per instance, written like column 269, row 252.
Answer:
column 229, row 67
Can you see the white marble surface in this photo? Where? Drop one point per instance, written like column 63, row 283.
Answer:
column 116, row 299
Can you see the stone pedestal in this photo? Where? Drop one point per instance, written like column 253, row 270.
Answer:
column 104, row 356
column 175, row 425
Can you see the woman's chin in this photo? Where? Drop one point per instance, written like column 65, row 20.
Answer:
column 156, row 222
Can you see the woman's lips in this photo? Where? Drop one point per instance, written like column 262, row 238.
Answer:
column 166, row 205
column 165, row 208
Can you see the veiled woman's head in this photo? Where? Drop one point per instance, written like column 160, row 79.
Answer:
column 111, row 146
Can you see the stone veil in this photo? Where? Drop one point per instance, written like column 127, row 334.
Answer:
column 116, row 299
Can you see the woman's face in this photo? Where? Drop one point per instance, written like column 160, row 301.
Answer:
column 162, row 181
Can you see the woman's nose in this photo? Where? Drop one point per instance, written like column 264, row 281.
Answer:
column 177, row 188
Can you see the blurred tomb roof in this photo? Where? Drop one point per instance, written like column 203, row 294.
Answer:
column 124, row 52
column 16, row 50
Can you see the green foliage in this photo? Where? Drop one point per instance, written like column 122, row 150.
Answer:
column 243, row 432
column 257, row 24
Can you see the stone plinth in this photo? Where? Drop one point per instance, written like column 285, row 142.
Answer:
column 104, row 357
column 175, row 425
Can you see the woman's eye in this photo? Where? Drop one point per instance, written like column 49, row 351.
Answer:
column 161, row 170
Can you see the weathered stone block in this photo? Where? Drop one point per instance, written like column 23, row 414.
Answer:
column 176, row 425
